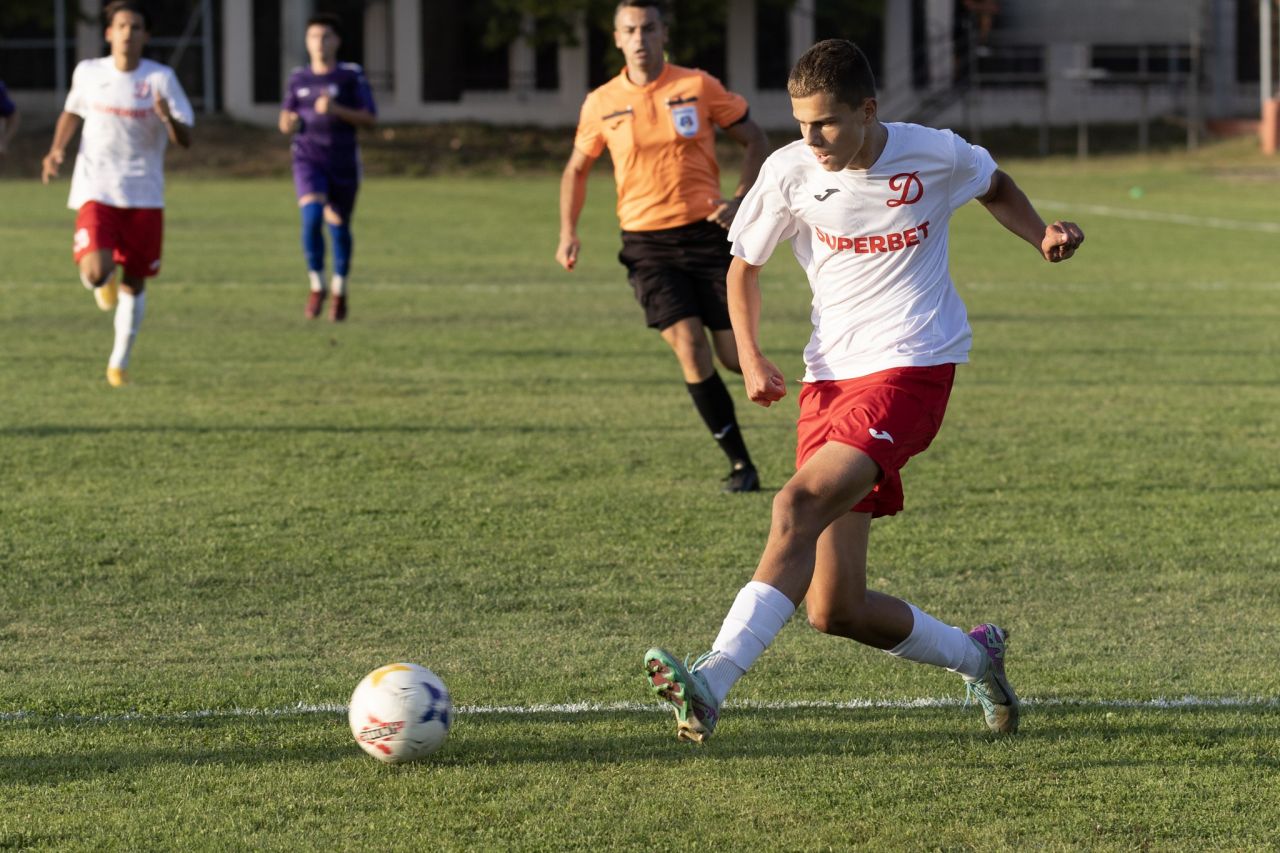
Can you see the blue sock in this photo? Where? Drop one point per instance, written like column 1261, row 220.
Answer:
column 313, row 236
column 341, row 236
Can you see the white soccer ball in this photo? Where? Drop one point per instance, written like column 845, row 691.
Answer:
column 400, row 712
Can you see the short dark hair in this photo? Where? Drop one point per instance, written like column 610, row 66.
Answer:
column 660, row 5
column 326, row 19
column 837, row 66
column 116, row 6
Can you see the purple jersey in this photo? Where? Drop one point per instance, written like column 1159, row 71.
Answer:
column 7, row 107
column 324, row 140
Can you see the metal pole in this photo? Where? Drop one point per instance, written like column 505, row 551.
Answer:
column 1264, row 45
column 60, row 48
column 206, row 55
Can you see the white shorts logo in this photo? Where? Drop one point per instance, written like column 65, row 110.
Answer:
column 686, row 120
column 81, row 240
column 155, row 265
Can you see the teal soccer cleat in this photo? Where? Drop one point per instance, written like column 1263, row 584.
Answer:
column 686, row 691
column 999, row 703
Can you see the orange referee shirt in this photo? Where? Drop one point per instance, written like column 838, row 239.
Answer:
column 662, row 141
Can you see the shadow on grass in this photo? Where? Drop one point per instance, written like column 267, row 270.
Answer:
column 68, row 751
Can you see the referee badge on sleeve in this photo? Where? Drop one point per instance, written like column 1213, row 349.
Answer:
column 685, row 117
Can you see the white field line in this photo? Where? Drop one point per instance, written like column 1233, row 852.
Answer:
column 303, row 709
column 1158, row 216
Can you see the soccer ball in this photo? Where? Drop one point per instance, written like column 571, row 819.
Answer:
column 400, row 712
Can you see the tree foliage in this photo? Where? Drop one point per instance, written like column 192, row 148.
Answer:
column 696, row 25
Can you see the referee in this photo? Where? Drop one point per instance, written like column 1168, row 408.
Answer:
column 658, row 121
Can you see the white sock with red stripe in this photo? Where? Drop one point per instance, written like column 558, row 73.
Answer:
column 128, row 320
column 932, row 642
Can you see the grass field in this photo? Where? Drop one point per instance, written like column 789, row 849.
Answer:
column 492, row 470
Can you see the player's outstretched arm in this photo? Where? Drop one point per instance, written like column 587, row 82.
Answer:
column 764, row 382
column 1006, row 201
column 63, row 133
column 573, row 194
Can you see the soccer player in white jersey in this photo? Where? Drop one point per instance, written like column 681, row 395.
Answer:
column 131, row 109
column 865, row 205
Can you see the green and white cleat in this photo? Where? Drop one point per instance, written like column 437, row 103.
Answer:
column 686, row 691
column 1000, row 705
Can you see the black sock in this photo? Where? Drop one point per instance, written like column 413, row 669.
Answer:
column 713, row 402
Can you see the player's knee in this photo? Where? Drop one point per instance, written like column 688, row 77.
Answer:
column 333, row 217
column 794, row 509
column 95, row 269
column 694, row 355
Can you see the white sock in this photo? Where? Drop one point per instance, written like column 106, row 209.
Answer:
column 317, row 281
column 129, row 311
column 338, row 286
column 757, row 615
column 942, row 645
column 721, row 674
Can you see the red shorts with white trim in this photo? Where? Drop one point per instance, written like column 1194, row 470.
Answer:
column 891, row 416
column 133, row 235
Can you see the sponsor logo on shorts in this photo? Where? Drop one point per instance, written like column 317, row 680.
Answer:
column 871, row 244
column 81, row 240
column 881, row 436
column 155, row 265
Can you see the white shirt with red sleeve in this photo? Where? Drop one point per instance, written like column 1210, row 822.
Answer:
column 874, row 245
column 122, row 143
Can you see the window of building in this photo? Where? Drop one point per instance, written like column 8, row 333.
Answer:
column 268, row 87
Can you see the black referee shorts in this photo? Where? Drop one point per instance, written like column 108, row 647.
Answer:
column 678, row 273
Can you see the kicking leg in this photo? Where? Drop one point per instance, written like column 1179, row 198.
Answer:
column 829, row 483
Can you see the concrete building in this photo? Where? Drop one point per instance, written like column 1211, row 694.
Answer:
column 955, row 62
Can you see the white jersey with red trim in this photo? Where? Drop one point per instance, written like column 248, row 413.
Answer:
column 122, row 144
column 874, row 245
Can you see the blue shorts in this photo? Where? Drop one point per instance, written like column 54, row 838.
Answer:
column 338, row 185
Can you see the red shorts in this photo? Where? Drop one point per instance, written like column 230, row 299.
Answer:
column 891, row 416
column 133, row 234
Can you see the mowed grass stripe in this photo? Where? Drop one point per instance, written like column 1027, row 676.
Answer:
column 571, row 708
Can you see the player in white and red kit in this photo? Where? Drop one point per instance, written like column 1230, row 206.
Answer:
column 866, row 206
column 131, row 109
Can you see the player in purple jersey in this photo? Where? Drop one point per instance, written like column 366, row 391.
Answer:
column 326, row 102
column 8, row 119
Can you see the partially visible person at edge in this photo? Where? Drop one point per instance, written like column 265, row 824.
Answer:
column 325, row 103
column 866, row 206
column 131, row 109
column 10, row 118
column 659, row 122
